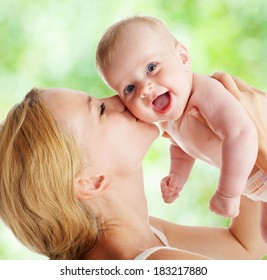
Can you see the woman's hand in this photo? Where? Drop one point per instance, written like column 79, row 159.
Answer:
column 255, row 103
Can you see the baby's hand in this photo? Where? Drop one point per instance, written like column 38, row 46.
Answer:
column 170, row 187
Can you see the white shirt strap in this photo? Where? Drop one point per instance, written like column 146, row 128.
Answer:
column 145, row 254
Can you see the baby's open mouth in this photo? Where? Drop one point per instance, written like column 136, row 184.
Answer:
column 162, row 102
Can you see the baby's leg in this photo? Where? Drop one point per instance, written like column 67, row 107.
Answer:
column 224, row 205
column 256, row 189
column 264, row 221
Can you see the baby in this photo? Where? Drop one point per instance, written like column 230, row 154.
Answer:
column 152, row 73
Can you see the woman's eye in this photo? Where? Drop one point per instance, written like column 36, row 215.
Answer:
column 150, row 67
column 102, row 109
column 128, row 89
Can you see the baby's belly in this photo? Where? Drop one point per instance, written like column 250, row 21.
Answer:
column 197, row 140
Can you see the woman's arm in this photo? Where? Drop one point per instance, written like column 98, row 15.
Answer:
column 242, row 240
column 246, row 229
column 255, row 103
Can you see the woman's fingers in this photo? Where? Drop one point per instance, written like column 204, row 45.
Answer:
column 228, row 82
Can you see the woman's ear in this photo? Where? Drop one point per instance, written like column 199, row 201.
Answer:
column 92, row 187
column 184, row 55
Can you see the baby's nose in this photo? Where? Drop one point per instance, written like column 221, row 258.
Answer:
column 146, row 90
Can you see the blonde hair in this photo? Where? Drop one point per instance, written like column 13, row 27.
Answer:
column 38, row 164
column 110, row 39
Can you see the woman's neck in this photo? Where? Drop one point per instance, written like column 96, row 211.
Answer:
column 125, row 241
column 125, row 220
column 126, row 198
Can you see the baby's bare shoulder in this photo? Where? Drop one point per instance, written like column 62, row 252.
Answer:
column 207, row 90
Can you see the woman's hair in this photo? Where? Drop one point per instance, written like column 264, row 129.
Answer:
column 111, row 38
column 38, row 164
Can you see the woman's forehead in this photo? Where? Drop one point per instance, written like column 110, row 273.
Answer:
column 62, row 92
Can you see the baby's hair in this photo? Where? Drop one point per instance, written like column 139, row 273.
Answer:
column 110, row 40
column 38, row 164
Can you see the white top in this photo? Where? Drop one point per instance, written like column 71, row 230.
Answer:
column 145, row 254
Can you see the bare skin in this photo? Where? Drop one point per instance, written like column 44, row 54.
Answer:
column 255, row 103
column 154, row 79
column 117, row 196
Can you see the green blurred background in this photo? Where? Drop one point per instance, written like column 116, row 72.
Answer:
column 52, row 44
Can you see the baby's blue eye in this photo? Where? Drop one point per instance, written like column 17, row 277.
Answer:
column 150, row 67
column 128, row 89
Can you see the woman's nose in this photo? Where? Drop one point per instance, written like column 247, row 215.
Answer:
column 114, row 103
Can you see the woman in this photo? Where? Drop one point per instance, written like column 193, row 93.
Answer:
column 68, row 190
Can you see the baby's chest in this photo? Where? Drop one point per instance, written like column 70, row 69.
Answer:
column 194, row 137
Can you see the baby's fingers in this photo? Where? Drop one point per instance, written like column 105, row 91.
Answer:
column 169, row 197
column 228, row 82
column 168, row 190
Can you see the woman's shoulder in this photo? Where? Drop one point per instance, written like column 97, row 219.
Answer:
column 168, row 229
column 164, row 226
column 177, row 235
column 170, row 253
column 157, row 223
column 161, row 224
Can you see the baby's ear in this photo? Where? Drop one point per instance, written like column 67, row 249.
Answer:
column 88, row 188
column 184, row 55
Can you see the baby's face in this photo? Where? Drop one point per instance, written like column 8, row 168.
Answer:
column 151, row 74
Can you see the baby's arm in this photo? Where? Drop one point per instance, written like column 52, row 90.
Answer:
column 228, row 119
column 180, row 167
column 255, row 102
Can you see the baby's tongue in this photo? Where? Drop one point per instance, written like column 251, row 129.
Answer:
column 162, row 101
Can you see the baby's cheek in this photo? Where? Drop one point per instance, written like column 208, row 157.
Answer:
column 140, row 111
column 134, row 108
column 140, row 114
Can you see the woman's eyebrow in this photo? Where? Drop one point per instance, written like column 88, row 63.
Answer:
column 89, row 100
column 91, row 105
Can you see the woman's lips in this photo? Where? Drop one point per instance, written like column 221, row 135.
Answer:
column 162, row 102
